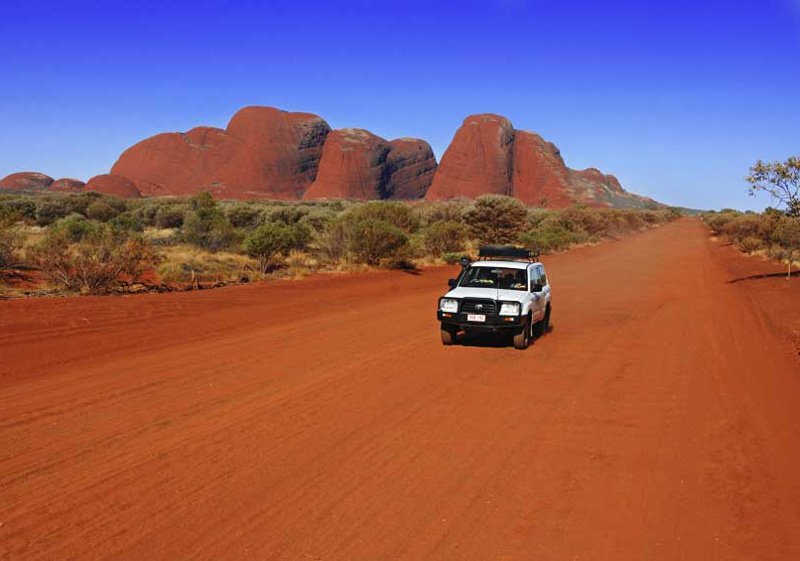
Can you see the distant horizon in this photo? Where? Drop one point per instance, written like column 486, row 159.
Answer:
column 676, row 101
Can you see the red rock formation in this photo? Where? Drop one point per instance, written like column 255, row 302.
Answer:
column 115, row 185
column 357, row 164
column 478, row 161
column 264, row 152
column 482, row 150
column 26, row 181
column 352, row 166
column 66, row 185
column 540, row 176
column 410, row 167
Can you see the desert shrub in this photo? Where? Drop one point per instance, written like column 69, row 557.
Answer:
column 169, row 217
column 126, row 222
column 318, row 218
column 10, row 243
column 749, row 244
column 370, row 241
column 536, row 216
column 650, row 217
column 101, row 211
column 594, row 222
column 75, row 227
column 331, row 243
column 24, row 207
column 495, row 219
column 48, row 211
column 787, row 235
column 207, row 227
column 243, row 216
column 743, row 226
column 445, row 237
column 286, row 214
column 718, row 220
column 445, row 211
column 551, row 237
column 268, row 242
column 451, row 258
column 301, row 236
column 96, row 264
column 397, row 214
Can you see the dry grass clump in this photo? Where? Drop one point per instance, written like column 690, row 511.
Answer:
column 188, row 264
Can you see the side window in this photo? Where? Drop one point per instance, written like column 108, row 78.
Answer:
column 544, row 276
column 535, row 278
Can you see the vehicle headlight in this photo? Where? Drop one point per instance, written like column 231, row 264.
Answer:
column 448, row 305
column 509, row 309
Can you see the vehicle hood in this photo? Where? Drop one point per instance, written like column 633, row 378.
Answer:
column 490, row 293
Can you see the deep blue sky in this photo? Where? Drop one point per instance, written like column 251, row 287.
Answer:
column 676, row 98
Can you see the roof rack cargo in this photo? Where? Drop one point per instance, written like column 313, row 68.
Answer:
column 508, row 253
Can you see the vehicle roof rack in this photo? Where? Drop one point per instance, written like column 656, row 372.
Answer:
column 508, row 253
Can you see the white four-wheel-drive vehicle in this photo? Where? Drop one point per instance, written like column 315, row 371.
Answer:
column 507, row 290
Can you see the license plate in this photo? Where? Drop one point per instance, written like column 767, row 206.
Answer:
column 476, row 317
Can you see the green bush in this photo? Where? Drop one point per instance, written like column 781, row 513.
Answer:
column 243, row 216
column 332, row 242
column 24, row 207
column 207, row 227
column 101, row 211
column 76, row 227
column 126, row 222
column 371, row 241
column 429, row 213
column 48, row 211
column 445, row 237
column 169, row 217
column 398, row 214
column 495, row 219
column 301, row 236
column 549, row 238
column 268, row 242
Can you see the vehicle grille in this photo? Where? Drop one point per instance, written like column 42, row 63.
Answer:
column 477, row 306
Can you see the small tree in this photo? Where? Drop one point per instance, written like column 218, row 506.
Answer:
column 495, row 219
column 267, row 242
column 782, row 181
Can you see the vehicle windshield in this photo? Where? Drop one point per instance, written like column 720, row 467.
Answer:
column 495, row 277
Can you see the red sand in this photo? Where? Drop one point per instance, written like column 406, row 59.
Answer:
column 323, row 419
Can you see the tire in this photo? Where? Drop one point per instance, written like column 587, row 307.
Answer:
column 523, row 338
column 538, row 328
column 547, row 318
column 448, row 336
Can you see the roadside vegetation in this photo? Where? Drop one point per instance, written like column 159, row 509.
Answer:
column 91, row 244
column 774, row 233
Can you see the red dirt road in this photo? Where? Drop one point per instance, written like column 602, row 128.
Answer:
column 322, row 419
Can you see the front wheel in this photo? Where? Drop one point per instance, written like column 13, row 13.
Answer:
column 448, row 336
column 523, row 338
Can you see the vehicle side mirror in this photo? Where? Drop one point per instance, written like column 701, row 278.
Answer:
column 536, row 287
column 452, row 283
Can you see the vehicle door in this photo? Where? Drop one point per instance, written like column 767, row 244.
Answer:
column 545, row 286
column 537, row 298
